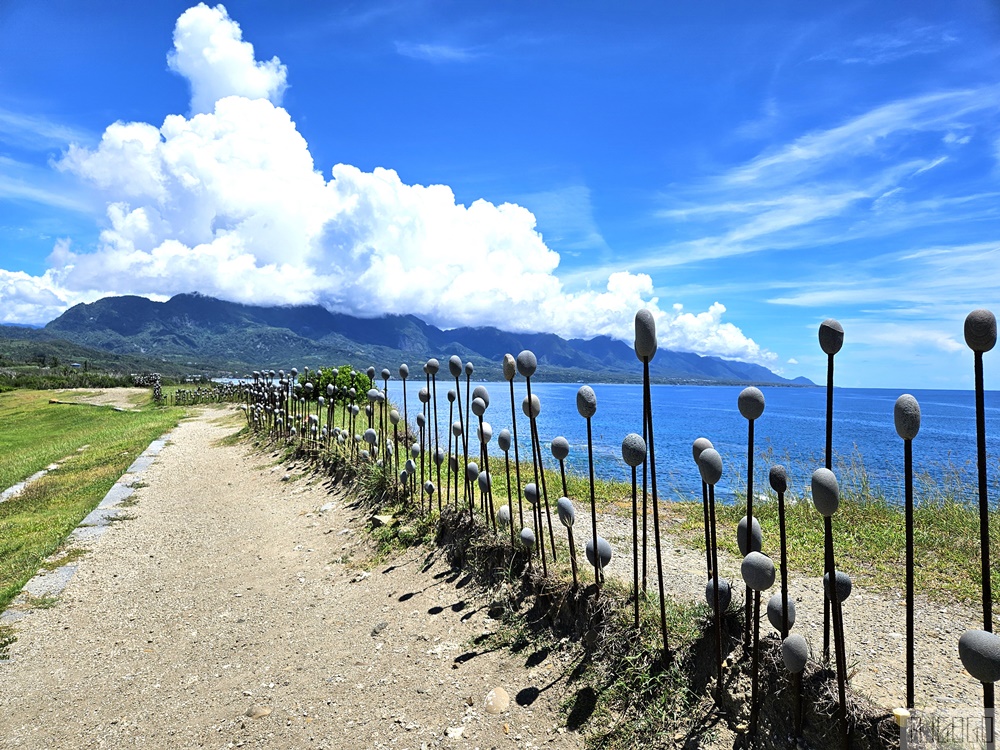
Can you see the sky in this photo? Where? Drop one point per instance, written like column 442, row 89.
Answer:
column 744, row 170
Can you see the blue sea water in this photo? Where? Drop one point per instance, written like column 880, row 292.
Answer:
column 791, row 431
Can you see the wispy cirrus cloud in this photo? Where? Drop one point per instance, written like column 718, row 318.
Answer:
column 33, row 132
column 872, row 175
column 905, row 40
column 438, row 53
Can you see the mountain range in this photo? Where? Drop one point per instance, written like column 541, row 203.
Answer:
column 205, row 334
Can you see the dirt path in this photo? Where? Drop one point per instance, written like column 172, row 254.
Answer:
column 230, row 592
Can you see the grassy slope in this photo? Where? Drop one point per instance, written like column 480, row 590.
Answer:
column 35, row 433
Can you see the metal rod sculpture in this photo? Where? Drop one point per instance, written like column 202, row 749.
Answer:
column 751, row 405
column 471, row 477
column 531, row 493
column 456, row 430
column 532, row 407
column 567, row 515
column 634, row 454
column 560, row 450
column 509, row 371
column 394, row 419
column 906, row 417
column 423, row 419
column 455, row 368
column 710, row 467
column 421, row 425
column 795, row 655
column 757, row 570
column 485, row 434
column 645, row 349
column 586, row 405
column 433, row 366
column 404, row 373
column 528, row 540
column 826, row 498
column 482, row 395
column 385, row 415
column 451, row 432
column 503, row 440
column 979, row 650
column 831, row 340
column 697, row 447
column 468, row 403
column 781, row 611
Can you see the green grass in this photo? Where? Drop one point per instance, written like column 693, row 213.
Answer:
column 34, row 434
column 869, row 534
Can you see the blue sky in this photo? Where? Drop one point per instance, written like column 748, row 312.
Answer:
column 745, row 170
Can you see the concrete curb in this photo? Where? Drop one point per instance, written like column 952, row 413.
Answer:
column 92, row 528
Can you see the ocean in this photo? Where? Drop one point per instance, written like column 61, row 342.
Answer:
column 791, row 431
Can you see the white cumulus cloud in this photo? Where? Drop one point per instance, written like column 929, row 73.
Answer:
column 210, row 52
column 228, row 202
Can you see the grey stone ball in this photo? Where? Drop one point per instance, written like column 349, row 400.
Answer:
column 371, row 373
column 509, row 367
column 535, row 407
column 484, row 481
column 385, row 373
column 432, row 366
column 633, row 450
column 831, row 336
column 503, row 516
column 403, row 477
column 756, row 541
column 725, row 594
column 751, row 403
column 710, row 466
column 586, row 401
column 778, row 478
column 456, row 428
column 774, row 611
column 757, row 570
column 531, row 493
column 365, row 455
column 438, row 457
column 424, row 395
column 410, row 467
column 979, row 651
column 451, row 396
column 478, row 407
column 906, row 416
column 603, row 552
column 484, row 432
column 421, row 420
column 980, row 330
column 699, row 445
column 370, row 436
column 482, row 393
column 503, row 440
column 560, row 448
column 455, row 365
column 528, row 538
column 453, row 464
column 472, row 471
column 844, row 585
column 795, row 653
column 645, row 335
column 415, row 450
column 566, row 511
column 825, row 491
column 429, row 487
column 527, row 363
column 469, row 368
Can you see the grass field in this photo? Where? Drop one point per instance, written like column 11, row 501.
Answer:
column 34, row 434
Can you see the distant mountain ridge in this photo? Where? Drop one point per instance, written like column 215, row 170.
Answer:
column 214, row 334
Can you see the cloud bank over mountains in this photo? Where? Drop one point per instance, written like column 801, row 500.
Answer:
column 227, row 201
